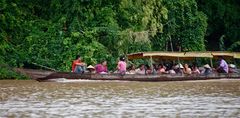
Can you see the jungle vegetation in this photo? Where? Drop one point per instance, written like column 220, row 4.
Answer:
column 53, row 32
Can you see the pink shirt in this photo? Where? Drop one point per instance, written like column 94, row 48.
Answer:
column 100, row 68
column 122, row 66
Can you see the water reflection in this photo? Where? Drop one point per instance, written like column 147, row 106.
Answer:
column 125, row 99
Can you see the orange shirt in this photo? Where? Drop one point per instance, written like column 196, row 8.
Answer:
column 74, row 64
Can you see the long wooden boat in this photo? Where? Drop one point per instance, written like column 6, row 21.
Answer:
column 42, row 75
column 51, row 76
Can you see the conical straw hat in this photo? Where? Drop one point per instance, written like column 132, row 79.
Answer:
column 90, row 67
column 206, row 66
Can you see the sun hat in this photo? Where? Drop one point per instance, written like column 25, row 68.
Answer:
column 179, row 66
column 232, row 66
column 90, row 67
column 206, row 66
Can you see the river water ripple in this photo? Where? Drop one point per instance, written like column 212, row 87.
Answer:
column 120, row 99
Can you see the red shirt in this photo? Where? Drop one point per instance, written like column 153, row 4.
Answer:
column 74, row 64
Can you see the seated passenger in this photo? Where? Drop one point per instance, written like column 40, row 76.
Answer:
column 207, row 70
column 91, row 69
column 155, row 68
column 122, row 66
column 78, row 66
column 195, row 69
column 141, row 70
column 131, row 70
column 223, row 66
column 148, row 70
column 101, row 68
column 178, row 69
column 171, row 70
column 232, row 68
column 187, row 70
column 161, row 69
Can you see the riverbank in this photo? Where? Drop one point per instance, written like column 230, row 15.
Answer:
column 7, row 73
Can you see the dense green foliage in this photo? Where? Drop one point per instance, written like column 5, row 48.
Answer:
column 223, row 32
column 53, row 32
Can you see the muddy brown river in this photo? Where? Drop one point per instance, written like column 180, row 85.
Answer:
column 27, row 98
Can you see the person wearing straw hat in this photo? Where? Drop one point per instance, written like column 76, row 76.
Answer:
column 207, row 70
column 91, row 69
column 232, row 68
column 179, row 69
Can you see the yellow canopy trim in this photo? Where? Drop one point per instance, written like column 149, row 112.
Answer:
column 183, row 55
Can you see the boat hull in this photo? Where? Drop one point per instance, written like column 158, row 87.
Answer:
column 134, row 77
column 51, row 76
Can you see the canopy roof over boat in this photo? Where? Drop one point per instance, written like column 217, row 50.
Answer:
column 237, row 55
column 183, row 55
column 232, row 55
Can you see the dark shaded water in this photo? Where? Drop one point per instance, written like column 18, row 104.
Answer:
column 216, row 98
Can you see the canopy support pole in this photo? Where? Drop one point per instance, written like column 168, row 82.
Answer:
column 211, row 62
column 171, row 45
column 151, row 62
